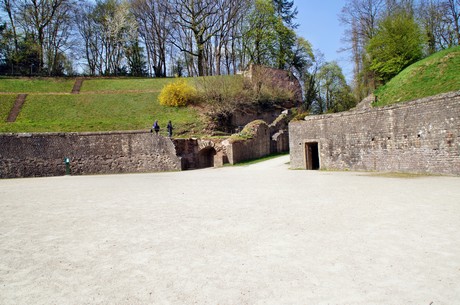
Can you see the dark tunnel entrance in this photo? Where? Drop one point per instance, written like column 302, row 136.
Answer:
column 312, row 156
column 206, row 157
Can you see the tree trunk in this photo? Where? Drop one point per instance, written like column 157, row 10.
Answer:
column 200, row 57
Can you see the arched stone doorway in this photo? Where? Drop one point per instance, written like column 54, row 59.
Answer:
column 205, row 157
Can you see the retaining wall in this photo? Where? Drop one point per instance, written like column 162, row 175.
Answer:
column 200, row 153
column 257, row 147
column 421, row 136
column 37, row 155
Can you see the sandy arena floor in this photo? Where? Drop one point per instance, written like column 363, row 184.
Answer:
column 259, row 234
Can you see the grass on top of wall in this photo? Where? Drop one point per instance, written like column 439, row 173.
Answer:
column 90, row 85
column 438, row 73
column 124, row 84
column 101, row 112
column 36, row 85
column 259, row 160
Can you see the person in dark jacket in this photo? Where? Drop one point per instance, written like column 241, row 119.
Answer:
column 170, row 129
column 156, row 127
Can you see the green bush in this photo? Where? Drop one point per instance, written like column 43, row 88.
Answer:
column 223, row 93
column 248, row 132
column 177, row 94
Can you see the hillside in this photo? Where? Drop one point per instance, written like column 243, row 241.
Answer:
column 103, row 104
column 111, row 104
column 438, row 73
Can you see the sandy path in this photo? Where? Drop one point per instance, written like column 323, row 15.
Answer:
column 260, row 234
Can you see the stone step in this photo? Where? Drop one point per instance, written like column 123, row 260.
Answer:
column 16, row 109
column 77, row 85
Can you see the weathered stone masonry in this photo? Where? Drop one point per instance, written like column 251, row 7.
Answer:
column 421, row 136
column 43, row 154
column 38, row 155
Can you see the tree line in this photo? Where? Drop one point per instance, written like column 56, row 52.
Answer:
column 385, row 36
column 160, row 38
column 144, row 37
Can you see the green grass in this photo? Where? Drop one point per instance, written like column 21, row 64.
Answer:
column 6, row 103
column 255, row 161
column 104, row 104
column 433, row 75
column 100, row 112
column 36, row 85
column 124, row 84
column 112, row 103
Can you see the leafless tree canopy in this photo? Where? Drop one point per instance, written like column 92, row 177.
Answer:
column 190, row 37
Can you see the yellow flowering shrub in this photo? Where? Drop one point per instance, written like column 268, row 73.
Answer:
column 177, row 94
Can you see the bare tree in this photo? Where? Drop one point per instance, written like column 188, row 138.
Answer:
column 58, row 36
column 107, row 29
column 36, row 16
column 440, row 21
column 361, row 18
column 230, row 12
column 7, row 6
column 201, row 20
column 431, row 15
column 454, row 11
column 154, row 29
column 87, row 28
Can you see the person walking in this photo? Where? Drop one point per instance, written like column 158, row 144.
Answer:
column 170, row 129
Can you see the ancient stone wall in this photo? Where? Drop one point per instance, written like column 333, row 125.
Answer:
column 256, row 147
column 265, row 140
column 33, row 155
column 200, row 153
column 240, row 118
column 421, row 136
column 43, row 154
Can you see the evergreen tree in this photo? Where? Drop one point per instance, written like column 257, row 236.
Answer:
column 135, row 57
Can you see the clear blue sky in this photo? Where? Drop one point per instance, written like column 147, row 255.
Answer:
column 319, row 24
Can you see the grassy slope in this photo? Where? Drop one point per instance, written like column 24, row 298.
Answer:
column 102, row 105
column 436, row 74
column 124, row 84
column 131, row 103
column 36, row 85
column 6, row 103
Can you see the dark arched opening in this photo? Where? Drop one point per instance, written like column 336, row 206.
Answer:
column 206, row 157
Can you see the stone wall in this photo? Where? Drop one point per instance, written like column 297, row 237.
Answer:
column 200, row 153
column 256, row 147
column 43, row 154
column 265, row 140
column 421, row 136
column 279, row 135
column 36, row 155
column 241, row 118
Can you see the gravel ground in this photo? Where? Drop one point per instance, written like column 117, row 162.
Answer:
column 258, row 234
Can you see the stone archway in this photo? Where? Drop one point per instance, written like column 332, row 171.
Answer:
column 205, row 157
